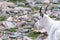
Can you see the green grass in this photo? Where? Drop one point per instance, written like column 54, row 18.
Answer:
column 12, row 30
column 21, row 5
column 36, row 8
column 28, row 28
column 33, row 35
column 2, row 18
column 29, row 21
column 15, row 0
column 53, row 16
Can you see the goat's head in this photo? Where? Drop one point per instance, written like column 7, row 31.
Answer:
column 39, row 24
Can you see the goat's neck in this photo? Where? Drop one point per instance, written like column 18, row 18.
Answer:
column 47, row 22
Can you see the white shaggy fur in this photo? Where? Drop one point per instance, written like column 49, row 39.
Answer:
column 51, row 26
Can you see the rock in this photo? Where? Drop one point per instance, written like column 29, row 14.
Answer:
column 37, row 15
column 10, row 18
column 20, row 3
column 30, row 1
column 23, row 23
column 55, row 1
column 25, row 30
column 5, row 37
column 31, row 23
column 39, row 38
column 26, row 38
column 8, row 24
column 24, row 17
column 22, row 8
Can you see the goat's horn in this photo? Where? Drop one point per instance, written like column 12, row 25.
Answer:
column 40, row 10
column 46, row 8
column 41, row 14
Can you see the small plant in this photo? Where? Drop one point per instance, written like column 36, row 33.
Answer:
column 15, row 0
column 12, row 30
column 53, row 16
column 36, row 8
column 21, row 5
column 33, row 35
column 2, row 18
column 29, row 21
column 28, row 28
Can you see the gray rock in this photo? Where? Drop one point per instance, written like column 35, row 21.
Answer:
column 5, row 37
column 25, row 31
column 31, row 23
column 20, row 3
column 55, row 1
column 8, row 24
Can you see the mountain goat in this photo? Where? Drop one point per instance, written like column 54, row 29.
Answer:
column 51, row 26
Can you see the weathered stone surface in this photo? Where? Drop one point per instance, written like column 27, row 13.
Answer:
column 8, row 24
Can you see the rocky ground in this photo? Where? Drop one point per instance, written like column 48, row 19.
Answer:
column 17, row 21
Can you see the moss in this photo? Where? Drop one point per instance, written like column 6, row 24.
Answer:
column 33, row 35
column 2, row 18
column 36, row 8
column 29, row 21
column 15, row 0
column 53, row 16
column 28, row 28
column 21, row 5
column 12, row 30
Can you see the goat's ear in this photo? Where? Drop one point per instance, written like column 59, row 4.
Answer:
column 40, row 11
